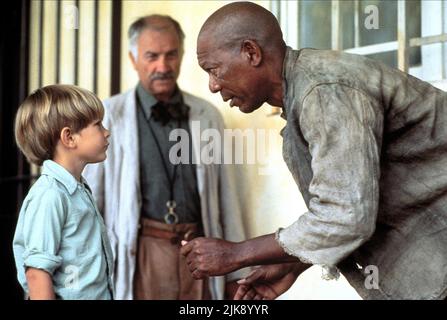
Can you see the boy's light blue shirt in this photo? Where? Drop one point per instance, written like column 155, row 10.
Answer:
column 61, row 231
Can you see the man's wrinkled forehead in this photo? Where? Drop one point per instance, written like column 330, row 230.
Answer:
column 205, row 45
column 203, row 59
column 212, row 38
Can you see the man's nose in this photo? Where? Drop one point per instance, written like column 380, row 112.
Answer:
column 162, row 65
column 106, row 133
column 214, row 86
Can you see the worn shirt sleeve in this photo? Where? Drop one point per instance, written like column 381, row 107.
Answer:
column 342, row 129
column 42, row 229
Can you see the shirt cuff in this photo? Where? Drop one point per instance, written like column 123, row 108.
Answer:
column 236, row 275
column 329, row 272
column 41, row 260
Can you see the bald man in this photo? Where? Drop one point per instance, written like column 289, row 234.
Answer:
column 367, row 147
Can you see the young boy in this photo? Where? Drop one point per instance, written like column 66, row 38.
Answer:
column 61, row 248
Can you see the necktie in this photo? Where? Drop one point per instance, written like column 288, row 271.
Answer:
column 164, row 112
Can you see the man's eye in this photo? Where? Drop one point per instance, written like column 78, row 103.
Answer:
column 172, row 55
column 151, row 57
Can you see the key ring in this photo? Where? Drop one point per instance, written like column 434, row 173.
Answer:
column 171, row 217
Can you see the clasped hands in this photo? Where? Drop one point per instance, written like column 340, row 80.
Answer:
column 214, row 257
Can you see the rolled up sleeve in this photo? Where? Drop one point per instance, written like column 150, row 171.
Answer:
column 41, row 260
column 343, row 130
column 42, row 230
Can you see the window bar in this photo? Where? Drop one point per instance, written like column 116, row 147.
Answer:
column 58, row 41
column 336, row 28
column 284, row 21
column 95, row 48
column 275, row 8
column 356, row 23
column 417, row 42
column 35, row 170
column 402, row 37
column 374, row 48
column 393, row 45
column 443, row 45
column 23, row 90
column 298, row 21
column 116, row 48
column 41, row 35
column 76, row 49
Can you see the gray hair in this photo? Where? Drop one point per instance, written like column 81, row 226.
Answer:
column 153, row 22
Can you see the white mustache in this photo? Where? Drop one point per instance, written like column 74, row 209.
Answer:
column 162, row 76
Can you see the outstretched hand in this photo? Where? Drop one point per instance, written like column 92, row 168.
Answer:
column 268, row 282
column 209, row 257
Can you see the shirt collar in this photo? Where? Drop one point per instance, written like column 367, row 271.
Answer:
column 147, row 100
column 287, row 72
column 56, row 171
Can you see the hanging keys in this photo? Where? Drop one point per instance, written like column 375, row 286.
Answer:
column 171, row 217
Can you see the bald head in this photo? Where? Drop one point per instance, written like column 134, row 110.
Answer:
column 239, row 21
column 241, row 48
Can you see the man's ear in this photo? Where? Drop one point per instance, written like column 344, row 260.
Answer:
column 132, row 59
column 67, row 138
column 252, row 51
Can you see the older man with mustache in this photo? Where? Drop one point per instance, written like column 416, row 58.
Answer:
column 149, row 203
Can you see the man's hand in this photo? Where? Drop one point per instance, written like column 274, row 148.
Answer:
column 214, row 257
column 231, row 289
column 209, row 257
column 269, row 282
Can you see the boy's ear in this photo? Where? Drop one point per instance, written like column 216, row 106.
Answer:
column 67, row 138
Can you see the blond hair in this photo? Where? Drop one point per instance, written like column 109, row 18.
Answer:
column 45, row 112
